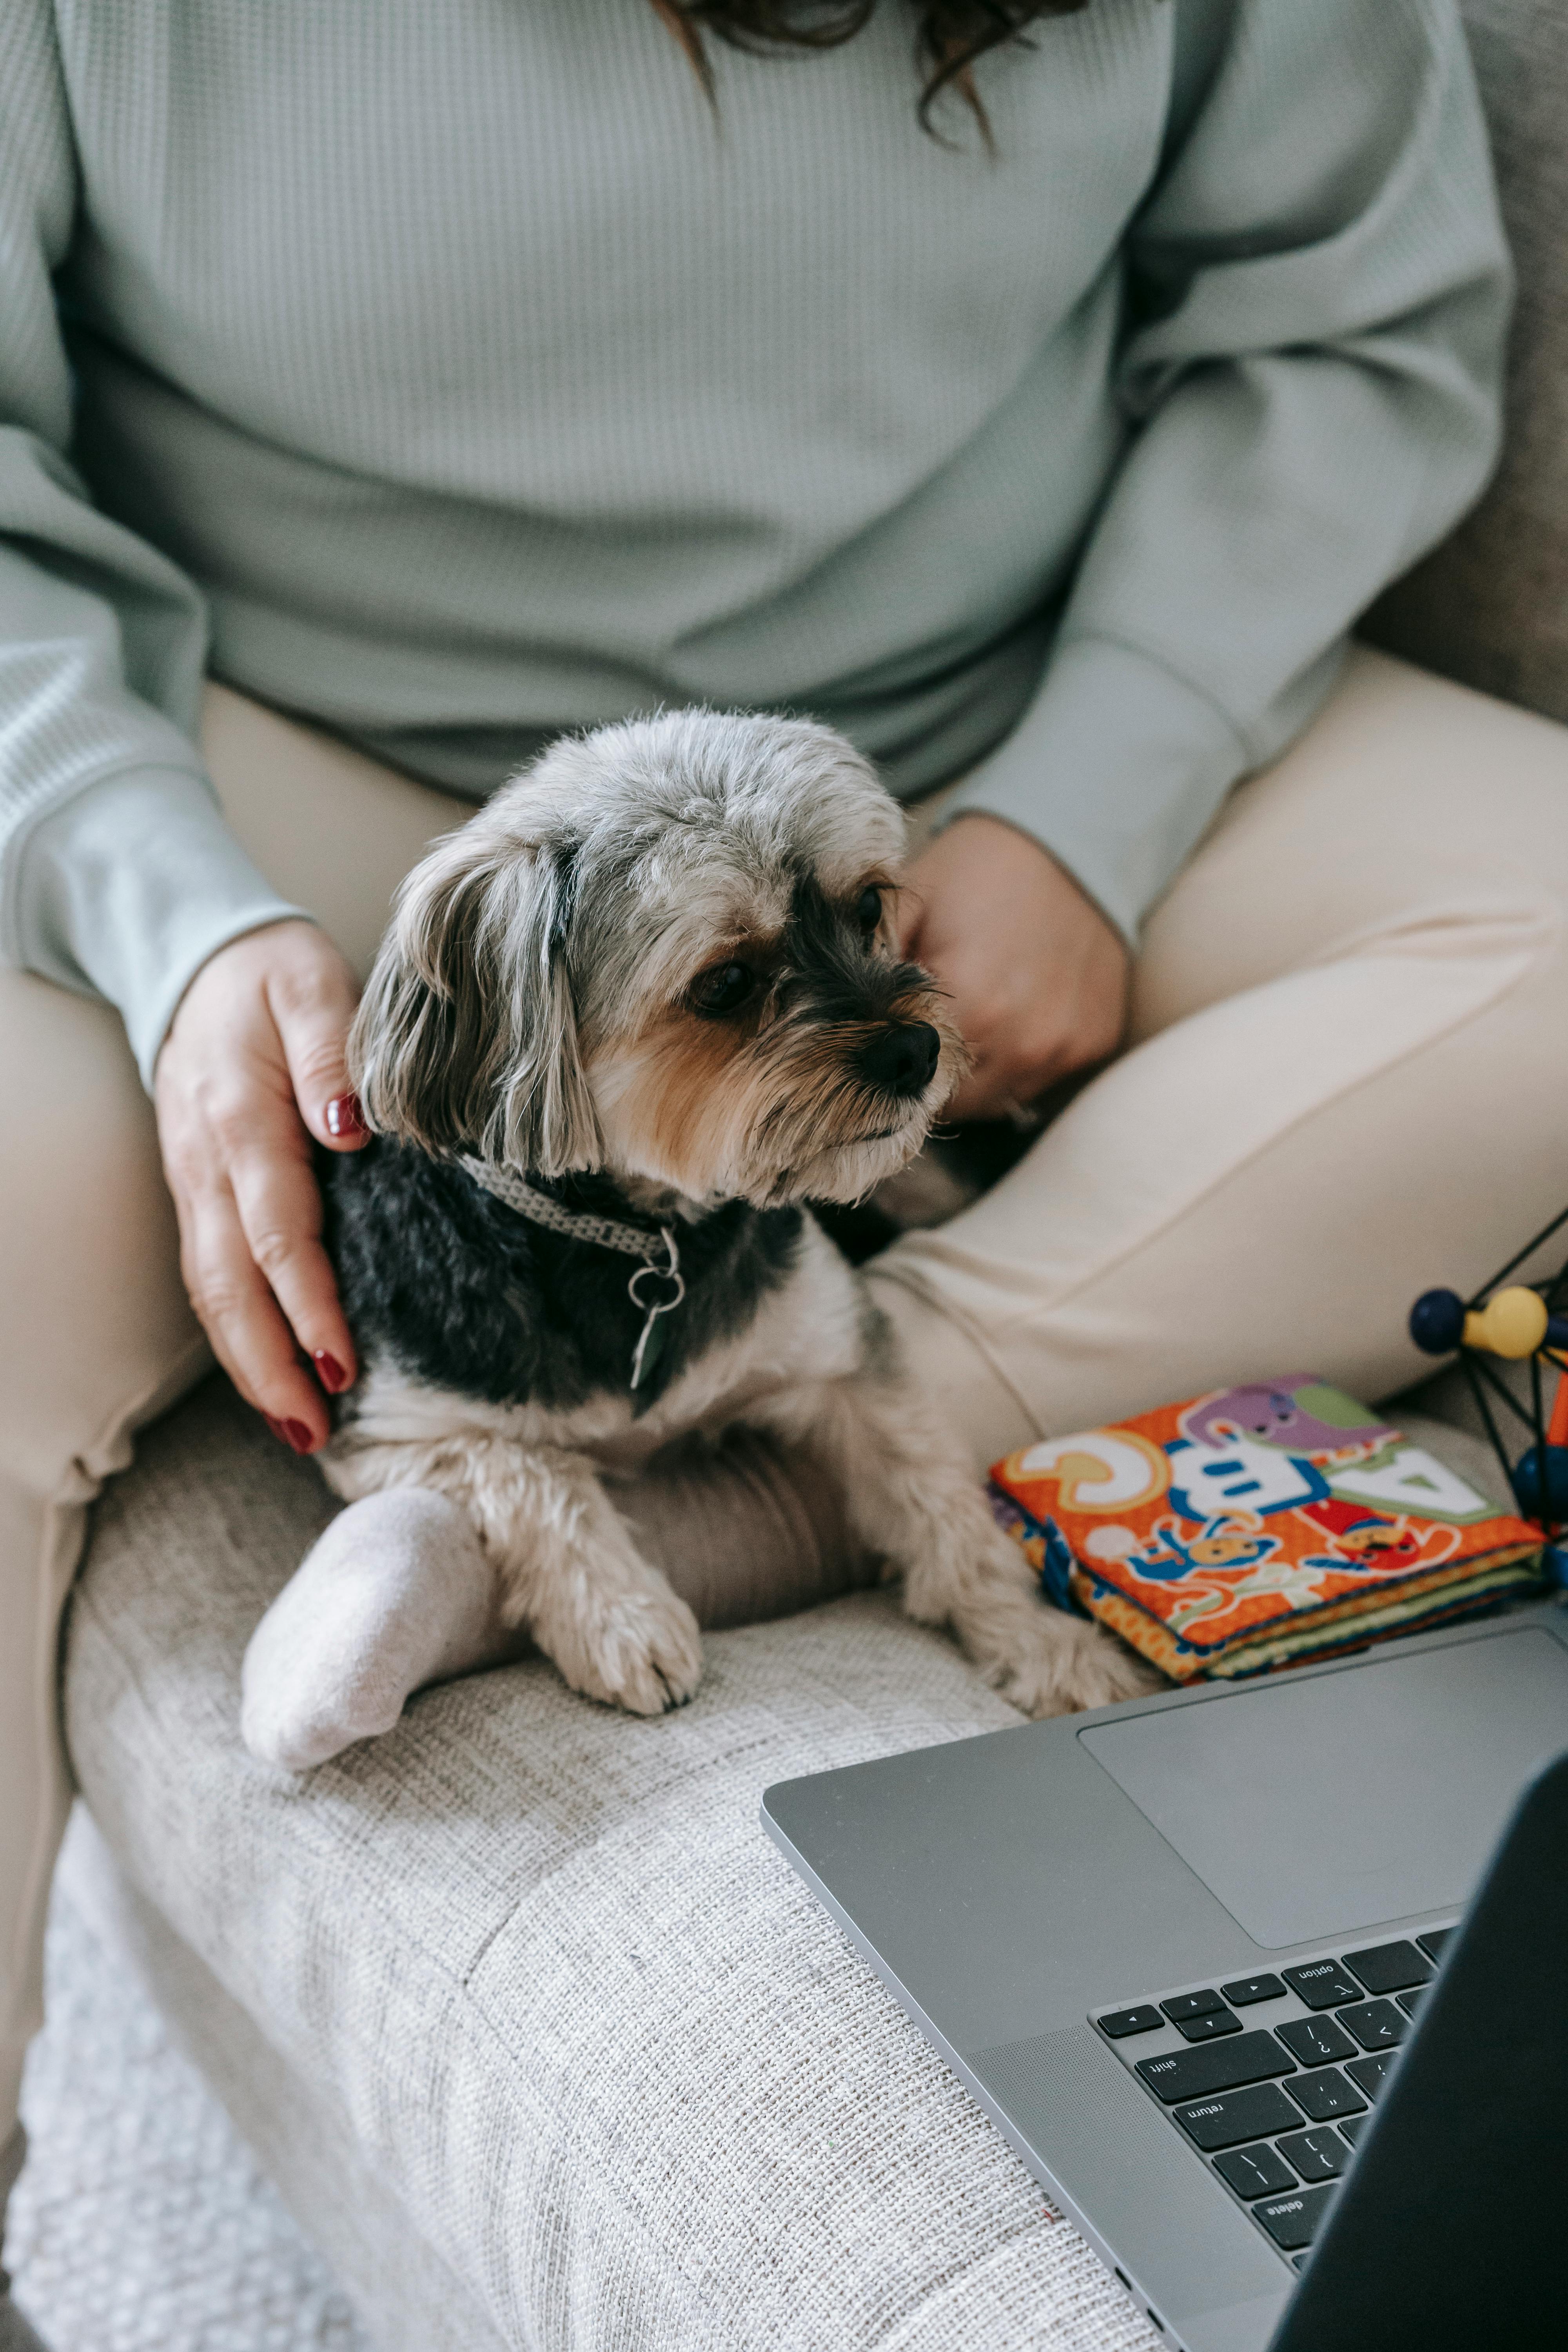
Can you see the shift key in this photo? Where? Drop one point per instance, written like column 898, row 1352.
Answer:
column 1214, row 2067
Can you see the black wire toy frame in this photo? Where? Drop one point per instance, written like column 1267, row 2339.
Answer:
column 1517, row 1322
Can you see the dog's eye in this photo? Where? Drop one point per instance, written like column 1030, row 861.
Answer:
column 868, row 908
column 724, row 989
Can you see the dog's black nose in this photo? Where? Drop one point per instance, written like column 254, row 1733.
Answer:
column 903, row 1059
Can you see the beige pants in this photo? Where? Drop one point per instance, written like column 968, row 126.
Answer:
column 1348, row 1080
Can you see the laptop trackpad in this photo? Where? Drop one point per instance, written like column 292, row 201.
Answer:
column 1376, row 1792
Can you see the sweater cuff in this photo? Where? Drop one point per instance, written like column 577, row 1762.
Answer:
column 1116, row 767
column 128, row 889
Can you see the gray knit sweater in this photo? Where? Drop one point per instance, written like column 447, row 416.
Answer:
column 443, row 372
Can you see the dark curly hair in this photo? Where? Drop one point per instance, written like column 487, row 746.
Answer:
column 949, row 35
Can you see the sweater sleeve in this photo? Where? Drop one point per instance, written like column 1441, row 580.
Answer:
column 118, row 875
column 1318, row 290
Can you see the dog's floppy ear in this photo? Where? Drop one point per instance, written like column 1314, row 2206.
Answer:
column 467, row 1036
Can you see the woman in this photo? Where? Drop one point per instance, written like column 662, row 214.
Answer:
column 1041, row 411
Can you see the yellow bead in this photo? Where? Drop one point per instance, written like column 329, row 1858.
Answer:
column 1512, row 1323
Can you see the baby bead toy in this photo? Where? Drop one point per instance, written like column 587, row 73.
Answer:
column 1518, row 1323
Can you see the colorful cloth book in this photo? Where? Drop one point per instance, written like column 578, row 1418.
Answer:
column 1258, row 1526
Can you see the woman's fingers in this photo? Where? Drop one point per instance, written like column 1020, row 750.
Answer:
column 257, row 1045
column 242, row 1318
column 280, row 1210
column 311, row 998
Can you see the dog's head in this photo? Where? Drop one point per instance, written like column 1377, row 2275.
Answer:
column 665, row 951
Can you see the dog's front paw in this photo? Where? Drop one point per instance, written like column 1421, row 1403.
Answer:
column 1061, row 1664
column 642, row 1651
column 1042, row 1659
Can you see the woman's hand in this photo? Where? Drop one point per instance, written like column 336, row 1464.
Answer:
column 251, row 1069
column 1036, row 978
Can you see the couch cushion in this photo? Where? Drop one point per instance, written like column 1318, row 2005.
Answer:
column 1490, row 607
column 564, row 2019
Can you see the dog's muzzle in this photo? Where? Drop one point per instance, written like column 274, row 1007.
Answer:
column 901, row 1060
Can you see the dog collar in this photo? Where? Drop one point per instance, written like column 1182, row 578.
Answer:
column 659, row 1251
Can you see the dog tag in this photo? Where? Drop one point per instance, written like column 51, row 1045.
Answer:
column 650, row 1345
column 649, row 1348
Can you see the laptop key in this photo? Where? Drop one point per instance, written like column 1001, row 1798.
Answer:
column 1242, row 1991
column 1222, row 2066
column 1352, row 2128
column 1315, row 2041
column 1255, row 2172
column 1209, row 2027
column 1376, row 2024
column 1325, row 2096
column 1369, row 2071
column 1317, row 2155
column 1185, row 2005
column 1322, row 1984
column 1252, row 2114
column 1411, row 2001
column 1433, row 1941
column 1292, row 2222
column 1389, row 1968
column 1142, row 2019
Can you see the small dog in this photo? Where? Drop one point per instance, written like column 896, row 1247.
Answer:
column 624, row 1025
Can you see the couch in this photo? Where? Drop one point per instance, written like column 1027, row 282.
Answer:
column 540, row 2040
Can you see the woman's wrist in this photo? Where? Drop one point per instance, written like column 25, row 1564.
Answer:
column 129, row 889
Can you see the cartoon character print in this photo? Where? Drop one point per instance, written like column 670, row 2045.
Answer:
column 1298, row 1584
column 1167, row 1554
column 1300, row 1413
column 1361, row 1537
column 1228, row 1560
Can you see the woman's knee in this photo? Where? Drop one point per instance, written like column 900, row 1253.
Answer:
column 98, row 1328
column 1414, row 817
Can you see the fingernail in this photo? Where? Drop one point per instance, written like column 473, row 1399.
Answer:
column 344, row 1115
column 332, row 1375
column 291, row 1433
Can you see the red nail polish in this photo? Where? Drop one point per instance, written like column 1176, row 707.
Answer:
column 344, row 1117
column 333, row 1376
column 291, row 1433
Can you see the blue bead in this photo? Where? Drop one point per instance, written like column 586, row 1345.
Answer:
column 1554, row 1565
column 1553, row 1507
column 1437, row 1321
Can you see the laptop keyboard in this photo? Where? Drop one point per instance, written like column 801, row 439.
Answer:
column 1272, row 2078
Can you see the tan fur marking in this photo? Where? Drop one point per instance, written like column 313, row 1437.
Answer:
column 689, row 1065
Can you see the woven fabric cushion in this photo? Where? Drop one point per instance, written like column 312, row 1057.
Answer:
column 589, row 2067
column 1490, row 607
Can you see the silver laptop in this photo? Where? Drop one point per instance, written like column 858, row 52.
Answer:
column 1175, row 1948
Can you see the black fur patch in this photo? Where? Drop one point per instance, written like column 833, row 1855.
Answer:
column 835, row 974
column 463, row 1293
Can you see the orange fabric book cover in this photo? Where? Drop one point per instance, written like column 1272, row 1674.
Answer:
column 1258, row 1526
